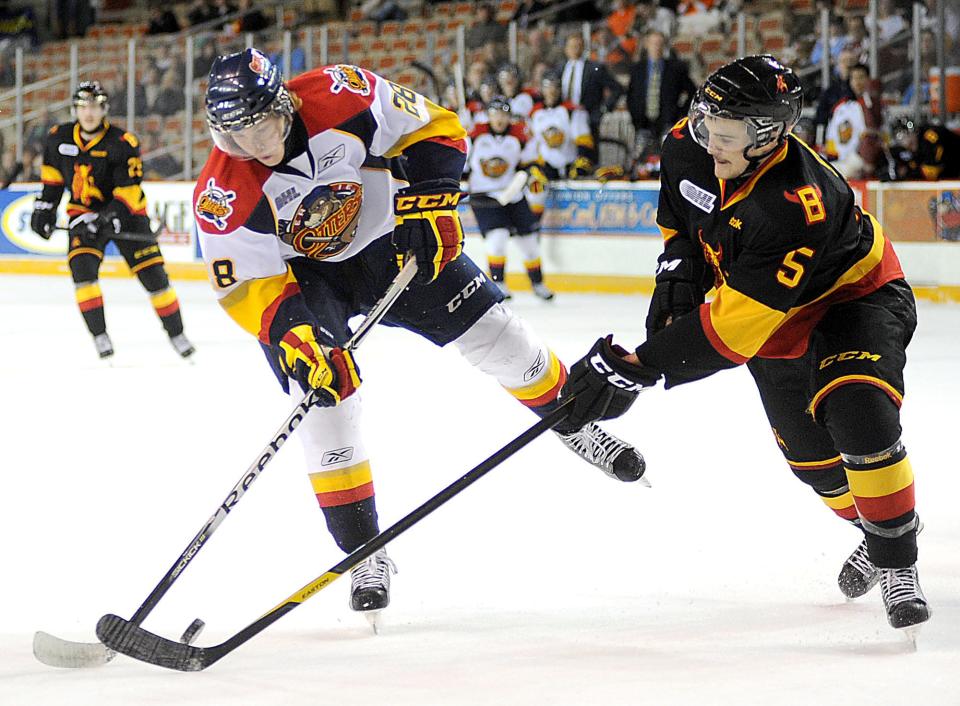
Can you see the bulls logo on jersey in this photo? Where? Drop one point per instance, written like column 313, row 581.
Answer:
column 213, row 205
column 554, row 137
column 713, row 258
column 325, row 222
column 348, row 77
column 494, row 167
column 83, row 187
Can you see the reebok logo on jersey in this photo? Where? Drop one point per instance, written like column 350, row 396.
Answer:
column 330, row 158
column 701, row 198
column 213, row 204
column 337, row 456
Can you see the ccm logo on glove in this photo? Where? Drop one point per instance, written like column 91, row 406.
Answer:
column 612, row 377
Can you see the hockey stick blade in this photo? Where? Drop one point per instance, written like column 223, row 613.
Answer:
column 130, row 639
column 134, row 641
column 57, row 652
column 63, row 653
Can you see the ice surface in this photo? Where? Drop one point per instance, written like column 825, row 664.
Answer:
column 545, row 583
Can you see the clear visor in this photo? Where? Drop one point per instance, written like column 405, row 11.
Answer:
column 724, row 133
column 255, row 141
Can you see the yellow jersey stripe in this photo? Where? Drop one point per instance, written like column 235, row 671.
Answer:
column 443, row 123
column 249, row 301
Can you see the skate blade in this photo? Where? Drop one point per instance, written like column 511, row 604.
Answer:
column 373, row 617
column 911, row 634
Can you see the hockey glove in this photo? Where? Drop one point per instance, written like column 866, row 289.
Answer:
column 603, row 384
column 428, row 226
column 581, row 167
column 44, row 218
column 107, row 222
column 678, row 291
column 332, row 371
column 84, row 227
column 537, row 183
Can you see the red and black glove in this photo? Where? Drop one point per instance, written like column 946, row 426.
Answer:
column 332, row 371
column 603, row 384
column 428, row 226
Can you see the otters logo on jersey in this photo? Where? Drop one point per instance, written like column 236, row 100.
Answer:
column 326, row 221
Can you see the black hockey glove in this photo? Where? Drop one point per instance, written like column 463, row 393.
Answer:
column 44, row 218
column 604, row 385
column 428, row 226
column 107, row 222
column 678, row 291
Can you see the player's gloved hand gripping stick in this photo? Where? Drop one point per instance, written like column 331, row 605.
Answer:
column 56, row 652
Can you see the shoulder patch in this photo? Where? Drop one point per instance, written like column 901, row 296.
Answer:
column 348, row 77
column 130, row 139
column 213, row 204
column 68, row 149
column 701, row 198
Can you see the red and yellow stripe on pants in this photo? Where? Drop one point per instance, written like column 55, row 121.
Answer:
column 883, row 491
column 343, row 485
column 89, row 297
column 165, row 302
column 545, row 387
column 840, row 501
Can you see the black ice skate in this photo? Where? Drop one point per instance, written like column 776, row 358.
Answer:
column 906, row 605
column 502, row 286
column 181, row 344
column 370, row 586
column 613, row 456
column 858, row 574
column 103, row 345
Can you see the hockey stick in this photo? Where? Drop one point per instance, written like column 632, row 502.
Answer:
column 513, row 189
column 128, row 637
column 56, row 652
column 150, row 237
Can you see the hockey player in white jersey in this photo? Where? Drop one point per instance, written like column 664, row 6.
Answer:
column 508, row 84
column 498, row 148
column 561, row 133
column 316, row 189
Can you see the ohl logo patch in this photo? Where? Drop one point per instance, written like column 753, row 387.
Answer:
column 83, row 188
column 326, row 221
column 213, row 204
column 348, row 77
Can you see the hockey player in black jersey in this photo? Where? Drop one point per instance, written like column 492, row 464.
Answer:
column 100, row 166
column 807, row 292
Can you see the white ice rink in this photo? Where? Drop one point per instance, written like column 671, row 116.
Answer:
column 545, row 583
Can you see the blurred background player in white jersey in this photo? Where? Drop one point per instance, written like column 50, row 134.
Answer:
column 316, row 192
column 560, row 132
column 508, row 85
column 498, row 148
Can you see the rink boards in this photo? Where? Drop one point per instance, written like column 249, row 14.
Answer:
column 598, row 237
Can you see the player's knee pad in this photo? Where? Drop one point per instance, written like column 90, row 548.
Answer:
column 496, row 241
column 502, row 345
column 529, row 246
column 826, row 478
column 84, row 268
column 861, row 418
column 154, row 278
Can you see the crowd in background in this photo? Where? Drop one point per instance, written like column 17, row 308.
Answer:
column 631, row 83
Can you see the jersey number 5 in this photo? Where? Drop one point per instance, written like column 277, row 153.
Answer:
column 789, row 275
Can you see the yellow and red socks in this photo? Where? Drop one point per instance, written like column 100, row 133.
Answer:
column 90, row 302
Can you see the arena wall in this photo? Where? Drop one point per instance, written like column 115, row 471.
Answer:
column 597, row 237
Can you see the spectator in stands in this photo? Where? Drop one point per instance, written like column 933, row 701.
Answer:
column 835, row 42
column 698, row 16
column 660, row 87
column 587, row 83
column 532, row 46
column 223, row 8
column 158, row 166
column 117, row 90
column 853, row 138
column 485, row 30
column 381, row 11
column 202, row 11
column 252, row 19
column 890, row 22
column 856, row 36
column 162, row 20
column 169, row 100
column 476, row 72
column 839, row 88
column 616, row 52
column 586, row 11
column 8, row 69
column 203, row 59
column 525, row 9
column 621, row 17
column 928, row 58
column 37, row 132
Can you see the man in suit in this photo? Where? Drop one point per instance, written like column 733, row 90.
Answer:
column 660, row 88
column 585, row 83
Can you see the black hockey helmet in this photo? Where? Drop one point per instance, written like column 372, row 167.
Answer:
column 244, row 89
column 759, row 90
column 499, row 103
column 90, row 93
